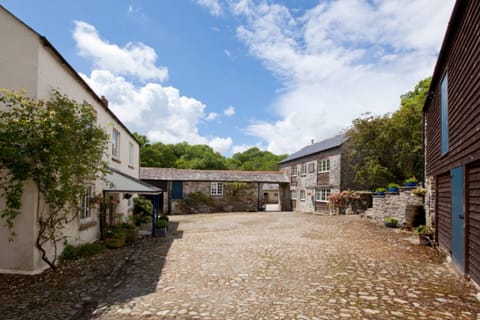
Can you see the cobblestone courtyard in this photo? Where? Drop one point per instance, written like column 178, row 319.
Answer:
column 277, row 266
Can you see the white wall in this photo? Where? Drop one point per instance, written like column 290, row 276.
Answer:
column 25, row 63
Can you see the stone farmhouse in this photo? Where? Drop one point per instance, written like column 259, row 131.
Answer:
column 28, row 61
column 203, row 191
column 452, row 141
column 314, row 172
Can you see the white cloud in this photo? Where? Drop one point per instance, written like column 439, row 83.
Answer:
column 212, row 116
column 221, row 145
column 230, row 111
column 213, row 6
column 339, row 60
column 227, row 53
column 151, row 108
column 134, row 59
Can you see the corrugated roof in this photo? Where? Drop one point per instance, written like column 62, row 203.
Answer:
column 321, row 146
column 170, row 174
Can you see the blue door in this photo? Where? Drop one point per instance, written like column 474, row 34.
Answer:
column 458, row 240
column 177, row 190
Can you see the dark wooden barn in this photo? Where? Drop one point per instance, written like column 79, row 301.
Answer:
column 452, row 140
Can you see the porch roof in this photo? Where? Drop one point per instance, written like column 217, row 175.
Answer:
column 121, row 182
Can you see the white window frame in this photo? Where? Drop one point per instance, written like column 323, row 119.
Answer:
column 302, row 195
column 131, row 154
column 322, row 194
column 323, row 165
column 115, row 143
column 303, row 171
column 86, row 212
column 294, row 171
column 294, row 194
column 216, row 189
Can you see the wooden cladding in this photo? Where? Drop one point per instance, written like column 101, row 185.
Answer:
column 473, row 222
column 444, row 204
column 459, row 59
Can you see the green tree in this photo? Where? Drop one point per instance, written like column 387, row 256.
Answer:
column 383, row 149
column 56, row 145
column 255, row 159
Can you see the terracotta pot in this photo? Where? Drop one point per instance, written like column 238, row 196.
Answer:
column 425, row 239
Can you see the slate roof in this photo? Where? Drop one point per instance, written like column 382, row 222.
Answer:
column 170, row 174
column 121, row 182
column 321, row 146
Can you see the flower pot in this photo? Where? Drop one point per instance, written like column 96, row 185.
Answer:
column 411, row 184
column 161, row 232
column 132, row 235
column 380, row 193
column 390, row 224
column 425, row 239
column 114, row 243
column 393, row 189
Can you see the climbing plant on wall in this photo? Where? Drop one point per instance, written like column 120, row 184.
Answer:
column 56, row 145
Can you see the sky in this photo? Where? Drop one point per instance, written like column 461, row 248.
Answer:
column 236, row 74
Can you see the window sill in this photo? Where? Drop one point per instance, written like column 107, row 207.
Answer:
column 131, row 166
column 87, row 223
column 116, row 159
column 323, row 171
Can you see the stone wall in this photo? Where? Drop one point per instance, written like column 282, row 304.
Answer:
column 245, row 198
column 394, row 204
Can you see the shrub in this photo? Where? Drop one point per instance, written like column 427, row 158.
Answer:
column 86, row 250
column 342, row 200
column 411, row 180
column 380, row 189
column 116, row 232
column 423, row 229
column 419, row 191
column 393, row 186
column 391, row 220
column 163, row 218
column 161, row 224
column 142, row 210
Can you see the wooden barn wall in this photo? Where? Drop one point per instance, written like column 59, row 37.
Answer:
column 473, row 222
column 444, row 220
column 463, row 68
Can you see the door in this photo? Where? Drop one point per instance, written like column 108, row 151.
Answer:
column 458, row 238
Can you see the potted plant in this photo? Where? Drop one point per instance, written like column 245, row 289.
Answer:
column 380, row 191
column 425, row 235
column 132, row 232
column 390, row 222
column 393, row 187
column 161, row 227
column 115, row 237
column 419, row 191
column 411, row 182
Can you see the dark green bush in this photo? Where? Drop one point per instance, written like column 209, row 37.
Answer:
column 85, row 250
column 142, row 210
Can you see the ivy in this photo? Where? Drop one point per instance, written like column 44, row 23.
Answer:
column 56, row 145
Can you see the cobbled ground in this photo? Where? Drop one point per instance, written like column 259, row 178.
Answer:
column 267, row 265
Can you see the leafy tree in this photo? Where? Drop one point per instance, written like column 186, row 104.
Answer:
column 254, row 159
column 388, row 148
column 56, row 145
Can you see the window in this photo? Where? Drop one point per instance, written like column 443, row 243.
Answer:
column 324, row 165
column 294, row 171
column 444, row 114
column 294, row 194
column 85, row 205
column 131, row 154
column 216, row 189
column 321, row 195
column 115, row 143
column 311, row 168
column 304, row 169
column 302, row 195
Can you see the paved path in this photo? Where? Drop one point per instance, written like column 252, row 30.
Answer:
column 287, row 266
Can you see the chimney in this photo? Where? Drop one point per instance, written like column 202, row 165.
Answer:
column 105, row 101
